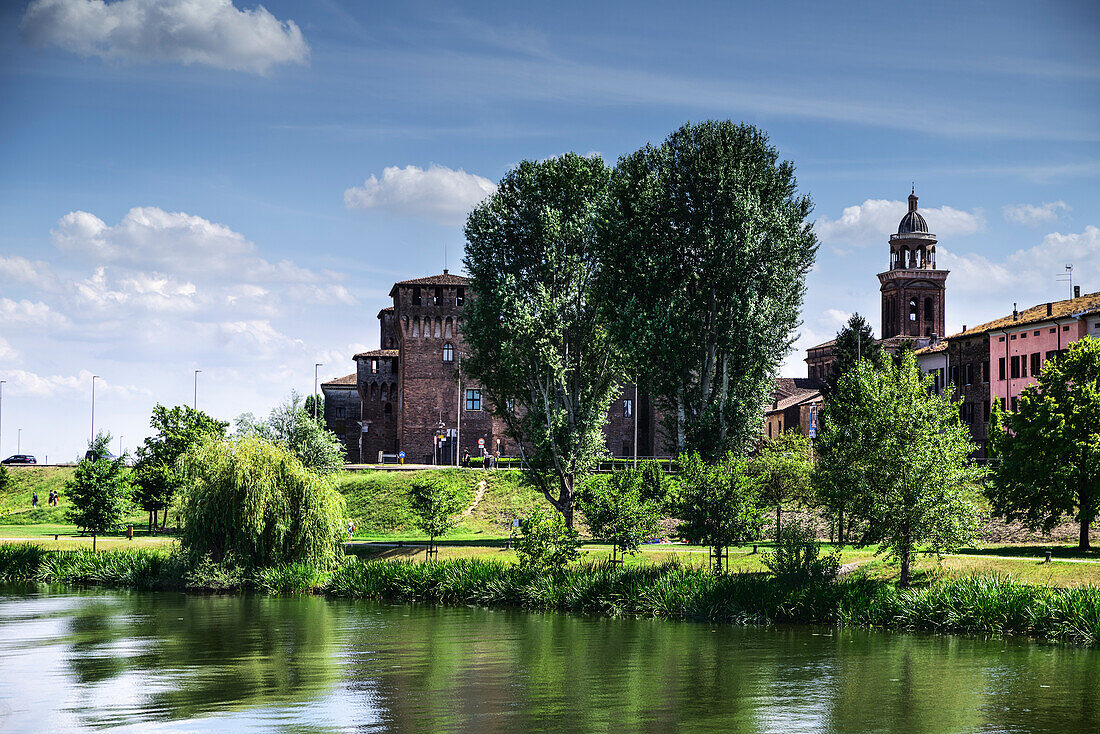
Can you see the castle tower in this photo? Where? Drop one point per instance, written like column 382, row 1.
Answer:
column 913, row 290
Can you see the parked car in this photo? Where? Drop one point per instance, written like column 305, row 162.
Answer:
column 20, row 459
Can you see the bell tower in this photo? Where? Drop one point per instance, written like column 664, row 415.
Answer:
column 913, row 290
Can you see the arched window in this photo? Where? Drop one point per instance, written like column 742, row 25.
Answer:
column 928, row 309
column 448, row 352
column 388, row 409
column 913, row 307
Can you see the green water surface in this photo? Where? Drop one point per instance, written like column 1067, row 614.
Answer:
column 170, row 662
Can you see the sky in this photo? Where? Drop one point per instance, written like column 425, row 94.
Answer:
column 220, row 186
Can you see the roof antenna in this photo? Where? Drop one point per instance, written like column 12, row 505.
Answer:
column 1067, row 276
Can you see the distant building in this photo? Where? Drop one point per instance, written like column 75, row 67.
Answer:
column 914, row 294
column 796, row 405
column 406, row 394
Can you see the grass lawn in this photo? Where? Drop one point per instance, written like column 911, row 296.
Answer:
column 1023, row 570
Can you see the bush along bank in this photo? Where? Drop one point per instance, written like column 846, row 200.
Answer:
column 985, row 605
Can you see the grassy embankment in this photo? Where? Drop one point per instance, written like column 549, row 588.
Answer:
column 670, row 590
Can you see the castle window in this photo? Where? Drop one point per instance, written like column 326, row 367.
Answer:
column 416, row 296
column 927, row 309
column 461, row 297
column 473, row 399
column 388, row 409
column 627, row 407
column 438, row 295
column 339, row 413
column 374, row 366
column 448, row 352
column 913, row 309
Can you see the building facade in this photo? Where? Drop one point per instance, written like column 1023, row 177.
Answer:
column 413, row 398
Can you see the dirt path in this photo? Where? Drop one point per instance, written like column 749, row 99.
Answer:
column 481, row 486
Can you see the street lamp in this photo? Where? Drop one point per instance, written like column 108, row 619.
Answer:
column 315, row 389
column 439, row 441
column 94, row 378
column 195, row 399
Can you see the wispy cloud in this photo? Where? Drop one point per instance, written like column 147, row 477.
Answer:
column 441, row 194
column 1032, row 214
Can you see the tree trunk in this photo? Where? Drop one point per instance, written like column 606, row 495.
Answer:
column 1083, row 540
column 150, row 529
column 778, row 511
column 164, row 520
column 155, row 520
column 906, row 551
column 567, row 501
column 840, row 526
column 93, row 542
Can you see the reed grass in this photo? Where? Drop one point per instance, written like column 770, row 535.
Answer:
column 982, row 605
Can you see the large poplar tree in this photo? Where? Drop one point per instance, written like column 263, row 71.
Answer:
column 1046, row 455
column 708, row 249
column 538, row 347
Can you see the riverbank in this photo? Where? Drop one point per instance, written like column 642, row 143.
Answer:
column 984, row 605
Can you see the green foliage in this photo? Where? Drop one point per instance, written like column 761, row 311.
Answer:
column 546, row 543
column 854, row 341
column 291, row 425
column 657, row 486
column 99, row 492
column 437, row 499
column 783, row 467
column 708, row 246
column 251, row 501
column 903, row 456
column 5, row 478
column 617, row 510
column 718, row 502
column 796, row 557
column 537, row 345
column 1047, row 454
column 156, row 476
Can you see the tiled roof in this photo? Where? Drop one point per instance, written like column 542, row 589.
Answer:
column 387, row 309
column 442, row 279
column 378, row 353
column 939, row 346
column 793, row 400
column 344, row 381
column 1036, row 314
column 785, row 386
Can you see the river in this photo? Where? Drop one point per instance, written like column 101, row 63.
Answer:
column 76, row 660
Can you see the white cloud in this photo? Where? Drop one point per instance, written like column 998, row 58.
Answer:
column 209, row 32
column 835, row 317
column 438, row 193
column 1032, row 214
column 8, row 353
column 27, row 313
column 873, row 221
column 35, row 272
column 22, row 382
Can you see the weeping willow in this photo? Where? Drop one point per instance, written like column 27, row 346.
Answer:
column 252, row 502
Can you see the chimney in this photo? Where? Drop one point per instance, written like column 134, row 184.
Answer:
column 1050, row 309
column 445, row 271
column 935, row 338
column 964, row 327
column 1015, row 313
column 1076, row 291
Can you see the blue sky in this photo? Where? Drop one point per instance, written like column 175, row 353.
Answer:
column 210, row 185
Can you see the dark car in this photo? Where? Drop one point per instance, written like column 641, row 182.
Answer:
column 20, row 459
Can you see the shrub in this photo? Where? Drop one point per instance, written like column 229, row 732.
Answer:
column 437, row 500
column 797, row 557
column 545, row 543
column 617, row 511
column 253, row 501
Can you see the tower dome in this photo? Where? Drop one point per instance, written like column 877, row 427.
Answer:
column 912, row 221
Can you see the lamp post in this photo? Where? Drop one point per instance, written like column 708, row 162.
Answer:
column 19, row 442
column 195, row 399
column 2, row 416
column 94, row 378
column 315, row 368
column 439, row 433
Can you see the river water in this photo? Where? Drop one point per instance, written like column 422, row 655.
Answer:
column 171, row 662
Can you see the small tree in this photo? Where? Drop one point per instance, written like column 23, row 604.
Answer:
column 546, row 543
column 783, row 467
column 906, row 456
column 436, row 502
column 854, row 341
column 252, row 501
column 718, row 503
column 797, row 557
column 156, row 476
column 1047, row 454
column 617, row 510
column 99, row 490
column 291, row 425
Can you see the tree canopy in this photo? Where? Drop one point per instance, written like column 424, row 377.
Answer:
column 784, row 466
column 707, row 250
column 903, row 456
column 1046, row 454
column 156, row 475
column 617, row 509
column 436, row 502
column 252, row 502
column 718, row 502
column 854, row 341
column 292, row 426
column 538, row 346
column 99, row 491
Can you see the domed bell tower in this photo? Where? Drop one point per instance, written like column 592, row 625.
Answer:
column 913, row 290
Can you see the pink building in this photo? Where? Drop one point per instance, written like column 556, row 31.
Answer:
column 1021, row 343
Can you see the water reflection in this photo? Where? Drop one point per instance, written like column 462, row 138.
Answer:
column 188, row 663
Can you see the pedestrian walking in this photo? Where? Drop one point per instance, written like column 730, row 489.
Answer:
column 34, row 500
column 466, row 458
column 496, row 459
